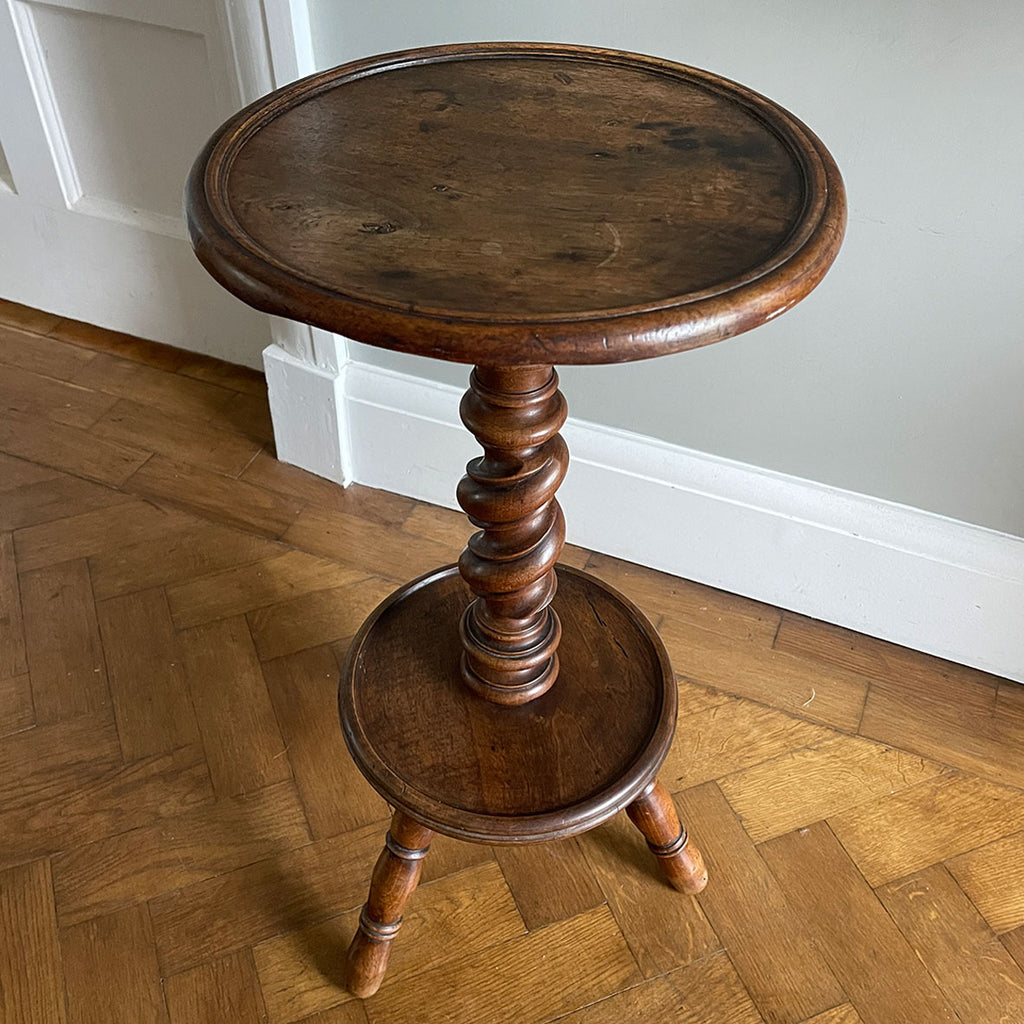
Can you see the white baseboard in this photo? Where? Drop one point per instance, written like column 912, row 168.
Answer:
column 918, row 579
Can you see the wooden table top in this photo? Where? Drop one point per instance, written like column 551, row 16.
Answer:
column 518, row 203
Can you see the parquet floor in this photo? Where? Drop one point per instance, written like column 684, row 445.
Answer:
column 183, row 838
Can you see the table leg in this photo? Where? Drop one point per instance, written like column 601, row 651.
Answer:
column 394, row 878
column 654, row 813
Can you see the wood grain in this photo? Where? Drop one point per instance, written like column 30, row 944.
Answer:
column 826, row 890
column 148, row 385
column 304, row 691
column 283, row 576
column 209, row 840
column 730, row 737
column 16, row 711
column 177, row 437
column 806, row 785
column 58, row 496
column 213, row 496
column 364, row 545
column 111, row 970
column 750, row 669
column 31, row 976
column 240, row 734
column 993, row 877
column 526, row 980
column 894, row 835
column 67, row 448
column 93, row 533
column 148, row 687
column 22, row 391
column 300, row 973
column 316, row 618
column 664, row 929
column 956, row 716
column 39, row 354
column 682, row 996
column 975, row 972
column 62, row 640
column 224, row 989
column 660, row 594
column 774, row 954
column 1013, row 942
column 12, row 632
column 551, row 881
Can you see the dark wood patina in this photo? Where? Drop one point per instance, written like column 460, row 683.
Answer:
column 514, row 206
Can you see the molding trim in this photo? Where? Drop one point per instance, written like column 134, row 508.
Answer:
column 912, row 577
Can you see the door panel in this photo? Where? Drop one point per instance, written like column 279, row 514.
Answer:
column 105, row 105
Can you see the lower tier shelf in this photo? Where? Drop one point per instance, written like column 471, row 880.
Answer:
column 469, row 768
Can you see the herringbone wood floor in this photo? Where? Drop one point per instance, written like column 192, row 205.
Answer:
column 183, row 838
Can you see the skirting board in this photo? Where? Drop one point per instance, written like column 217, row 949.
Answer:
column 912, row 577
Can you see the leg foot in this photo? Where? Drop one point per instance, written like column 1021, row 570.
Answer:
column 394, row 878
column 654, row 813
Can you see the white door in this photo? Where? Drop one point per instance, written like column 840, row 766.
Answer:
column 103, row 106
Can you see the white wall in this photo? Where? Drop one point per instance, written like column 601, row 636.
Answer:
column 902, row 376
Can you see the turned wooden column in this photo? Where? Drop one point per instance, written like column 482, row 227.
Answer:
column 510, row 633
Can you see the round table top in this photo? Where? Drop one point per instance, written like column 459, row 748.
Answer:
column 518, row 203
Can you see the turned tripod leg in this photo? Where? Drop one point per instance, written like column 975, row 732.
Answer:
column 654, row 813
column 394, row 878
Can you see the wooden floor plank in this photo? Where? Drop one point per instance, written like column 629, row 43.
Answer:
column 993, row 877
column 225, row 989
column 174, row 852
column 302, row 972
column 381, row 507
column 192, row 441
column 171, row 392
column 16, row 474
column 240, row 908
column 684, row 996
column 69, row 449
column 148, row 687
column 14, row 313
column 896, row 834
column 526, row 980
column 249, row 415
column 770, row 946
column 975, row 972
column 40, row 354
column 283, row 576
column 214, row 496
column 658, row 594
column 1013, row 943
column 550, row 881
column 62, row 640
column 78, row 793
column 364, row 545
column 243, row 379
column 844, row 1014
column 240, row 733
column 187, row 550
column 304, row 691
column 753, row 670
column 58, row 497
column 91, row 533
column 127, row 346
column 883, row 976
column 806, row 785
column 956, row 716
column 16, row 711
column 317, row 618
column 31, row 976
column 12, row 632
column 111, row 971
column 731, row 736
column 35, row 395
column 663, row 928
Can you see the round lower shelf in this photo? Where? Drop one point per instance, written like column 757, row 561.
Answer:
column 480, row 771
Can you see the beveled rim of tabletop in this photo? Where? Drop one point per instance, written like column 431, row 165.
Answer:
column 616, row 334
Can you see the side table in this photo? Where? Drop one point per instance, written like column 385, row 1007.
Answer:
column 514, row 206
